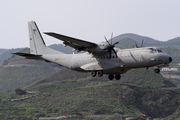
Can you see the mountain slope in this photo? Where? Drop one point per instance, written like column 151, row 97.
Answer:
column 148, row 41
column 18, row 72
column 19, row 77
column 68, row 92
column 7, row 54
column 136, row 38
column 3, row 50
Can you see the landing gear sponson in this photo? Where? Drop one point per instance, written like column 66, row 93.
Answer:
column 111, row 76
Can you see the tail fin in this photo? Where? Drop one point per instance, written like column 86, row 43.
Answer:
column 37, row 44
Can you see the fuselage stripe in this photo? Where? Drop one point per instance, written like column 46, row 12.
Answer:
column 120, row 55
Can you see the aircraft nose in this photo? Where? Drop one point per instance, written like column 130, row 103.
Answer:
column 170, row 59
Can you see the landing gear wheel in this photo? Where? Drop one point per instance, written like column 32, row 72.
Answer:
column 93, row 73
column 157, row 70
column 100, row 73
column 111, row 76
column 117, row 76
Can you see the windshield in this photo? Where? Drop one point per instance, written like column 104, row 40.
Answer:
column 153, row 51
column 156, row 50
column 159, row 51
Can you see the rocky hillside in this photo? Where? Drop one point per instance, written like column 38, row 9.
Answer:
column 52, row 91
column 66, row 92
column 6, row 54
column 18, row 72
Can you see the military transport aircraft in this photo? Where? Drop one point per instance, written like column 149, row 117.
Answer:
column 99, row 59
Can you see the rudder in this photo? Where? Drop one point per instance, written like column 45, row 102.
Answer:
column 37, row 44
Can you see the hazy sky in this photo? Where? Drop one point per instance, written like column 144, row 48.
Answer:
column 89, row 20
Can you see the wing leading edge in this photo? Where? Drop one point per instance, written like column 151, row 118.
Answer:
column 73, row 42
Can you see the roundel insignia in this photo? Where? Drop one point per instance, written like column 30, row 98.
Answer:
column 59, row 58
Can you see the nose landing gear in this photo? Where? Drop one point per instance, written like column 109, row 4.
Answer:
column 156, row 70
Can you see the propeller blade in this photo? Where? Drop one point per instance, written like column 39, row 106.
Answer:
column 111, row 37
column 114, row 52
column 115, row 43
column 136, row 45
column 107, row 40
column 110, row 48
column 110, row 54
column 142, row 43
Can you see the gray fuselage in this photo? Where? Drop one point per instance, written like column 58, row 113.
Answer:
column 126, row 59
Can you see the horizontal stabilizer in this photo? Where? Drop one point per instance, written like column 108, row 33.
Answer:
column 28, row 55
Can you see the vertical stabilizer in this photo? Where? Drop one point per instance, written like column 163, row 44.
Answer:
column 37, row 44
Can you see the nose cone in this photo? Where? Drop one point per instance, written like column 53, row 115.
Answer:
column 170, row 59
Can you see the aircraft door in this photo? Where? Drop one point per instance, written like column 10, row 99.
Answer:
column 143, row 56
column 75, row 61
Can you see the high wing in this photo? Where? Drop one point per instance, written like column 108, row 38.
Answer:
column 77, row 44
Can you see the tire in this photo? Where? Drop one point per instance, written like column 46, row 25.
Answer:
column 100, row 73
column 117, row 76
column 111, row 76
column 157, row 70
column 93, row 73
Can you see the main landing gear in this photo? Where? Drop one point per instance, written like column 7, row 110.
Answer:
column 117, row 76
column 99, row 73
column 111, row 76
column 157, row 70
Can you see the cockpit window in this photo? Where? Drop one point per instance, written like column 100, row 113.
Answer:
column 156, row 50
column 160, row 51
column 153, row 51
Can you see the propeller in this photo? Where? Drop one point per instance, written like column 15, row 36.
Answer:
column 141, row 44
column 136, row 45
column 111, row 46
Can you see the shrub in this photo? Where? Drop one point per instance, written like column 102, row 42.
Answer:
column 19, row 91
